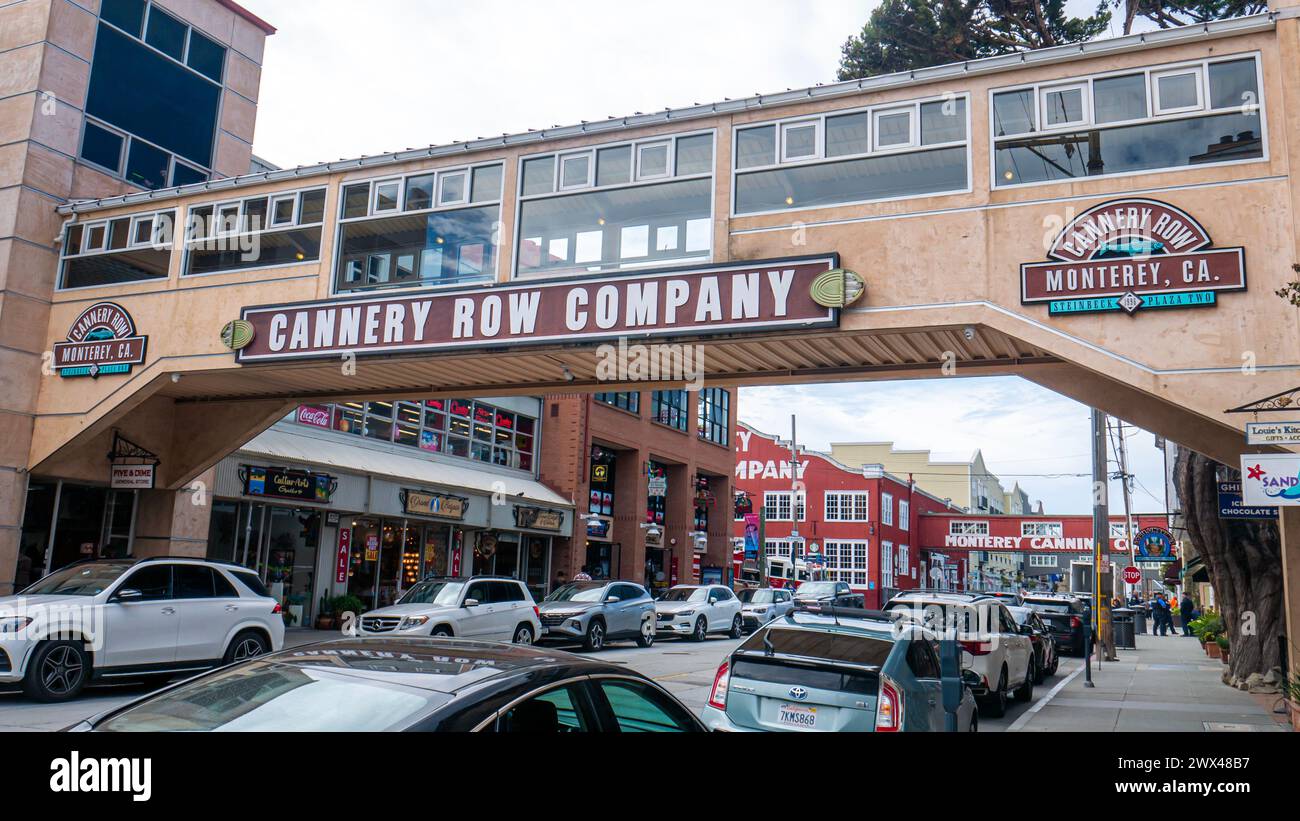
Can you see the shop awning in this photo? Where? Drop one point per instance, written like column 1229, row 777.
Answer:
column 425, row 473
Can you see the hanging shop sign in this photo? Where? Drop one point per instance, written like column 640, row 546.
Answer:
column 599, row 528
column 536, row 518
column 132, row 477
column 314, row 415
column 344, row 555
column 283, row 483
column 423, row 503
column 1155, row 544
column 372, row 547
column 725, row 298
column 101, row 341
column 1273, row 433
column 1130, row 255
column 1270, row 479
column 1231, row 505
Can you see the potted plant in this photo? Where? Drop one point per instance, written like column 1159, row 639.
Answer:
column 324, row 615
column 1212, row 647
column 1221, row 642
column 343, row 606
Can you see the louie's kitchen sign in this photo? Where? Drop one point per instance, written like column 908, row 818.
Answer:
column 1129, row 255
column 747, row 296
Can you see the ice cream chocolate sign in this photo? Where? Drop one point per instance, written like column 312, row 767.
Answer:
column 726, row 298
column 1129, row 255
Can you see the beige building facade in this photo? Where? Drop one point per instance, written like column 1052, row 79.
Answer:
column 1082, row 217
column 968, row 483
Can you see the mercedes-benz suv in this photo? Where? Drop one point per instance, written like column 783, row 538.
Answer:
column 487, row 608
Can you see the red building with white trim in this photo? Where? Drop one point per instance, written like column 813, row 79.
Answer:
column 862, row 520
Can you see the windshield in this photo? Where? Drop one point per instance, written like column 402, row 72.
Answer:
column 1020, row 614
column 579, row 592
column 434, row 591
column 1048, row 605
column 79, row 580
column 817, row 589
column 756, row 596
column 686, row 594
column 278, row 697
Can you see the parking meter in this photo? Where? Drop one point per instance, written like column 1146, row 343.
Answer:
column 950, row 668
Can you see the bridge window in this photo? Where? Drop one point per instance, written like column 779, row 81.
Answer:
column 429, row 228
column 133, row 248
column 262, row 231
column 617, row 206
column 1049, row 529
column 1043, row 560
column 968, row 528
column 669, row 408
column 629, row 400
column 1159, row 118
column 714, row 415
column 839, row 158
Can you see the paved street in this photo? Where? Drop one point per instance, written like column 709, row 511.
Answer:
column 1167, row 685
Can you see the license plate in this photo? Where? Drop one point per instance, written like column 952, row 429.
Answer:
column 794, row 715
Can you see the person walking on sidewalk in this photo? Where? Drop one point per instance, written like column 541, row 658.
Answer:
column 1187, row 612
column 1160, row 612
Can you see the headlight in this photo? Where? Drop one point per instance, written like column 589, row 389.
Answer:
column 760, row 610
column 414, row 621
column 682, row 613
column 14, row 625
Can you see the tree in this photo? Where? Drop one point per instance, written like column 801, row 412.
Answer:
column 906, row 34
column 1167, row 15
column 1244, row 561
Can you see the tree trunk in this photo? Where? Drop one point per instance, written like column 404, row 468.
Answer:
column 1244, row 559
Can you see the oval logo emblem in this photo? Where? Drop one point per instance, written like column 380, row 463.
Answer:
column 237, row 334
column 837, row 288
column 798, row 693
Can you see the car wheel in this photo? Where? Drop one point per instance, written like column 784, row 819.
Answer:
column 1025, row 692
column 701, row 630
column 736, row 628
column 443, row 632
column 523, row 635
column 974, row 725
column 595, row 637
column 647, row 637
column 248, row 644
column 1040, row 673
column 1056, row 664
column 57, row 671
column 996, row 703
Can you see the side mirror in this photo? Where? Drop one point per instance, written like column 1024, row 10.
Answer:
column 470, row 603
column 713, row 599
column 128, row 594
column 612, row 599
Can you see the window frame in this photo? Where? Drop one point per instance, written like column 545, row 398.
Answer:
column 852, row 496
column 848, row 572
column 818, row 136
column 670, row 159
column 1198, row 72
column 238, row 229
column 887, row 509
column 104, row 249
column 913, row 128
column 1059, row 528
column 1086, row 114
column 588, row 182
column 982, row 525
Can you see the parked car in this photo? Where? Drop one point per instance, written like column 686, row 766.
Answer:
column 835, row 594
column 839, row 670
column 487, row 608
column 1008, row 598
column 759, row 606
column 116, row 619
column 695, row 610
column 408, row 684
column 1046, row 659
column 598, row 611
column 1067, row 617
column 992, row 643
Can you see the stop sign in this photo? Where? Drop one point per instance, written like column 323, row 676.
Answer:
column 1132, row 575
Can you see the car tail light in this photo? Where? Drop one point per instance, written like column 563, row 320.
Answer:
column 1075, row 623
column 718, row 696
column 277, row 610
column 537, row 612
column 889, row 707
column 976, row 648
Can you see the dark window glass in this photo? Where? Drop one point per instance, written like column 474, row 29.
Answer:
column 102, row 147
column 72, row 240
column 539, row 176
column 192, row 581
column 756, row 147
column 356, row 200
column 714, row 415
column 847, row 134
column 870, row 178
column 166, row 33
column 183, row 174
column 276, row 248
column 628, row 401
column 1129, row 149
column 943, row 121
column 922, row 660
column 222, row 588
column 486, row 186
column 177, row 110
column 695, row 155
column 154, row 581
column 556, row 711
column 442, row 247
column 639, row 708
column 1233, row 84
column 419, row 192
column 108, row 269
column 282, row 211
column 311, row 207
column 146, row 166
column 255, row 214
column 119, row 234
column 127, row 15
column 1013, row 112
column 206, row 56
column 614, row 165
column 1115, row 99
column 669, row 408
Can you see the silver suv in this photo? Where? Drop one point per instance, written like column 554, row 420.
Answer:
column 595, row 612
column 487, row 608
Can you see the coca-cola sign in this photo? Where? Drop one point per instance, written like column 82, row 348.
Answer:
column 313, row 415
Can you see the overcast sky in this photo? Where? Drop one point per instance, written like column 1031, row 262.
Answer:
column 343, row 79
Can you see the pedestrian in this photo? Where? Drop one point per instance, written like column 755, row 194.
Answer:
column 583, row 575
column 1187, row 611
column 1160, row 611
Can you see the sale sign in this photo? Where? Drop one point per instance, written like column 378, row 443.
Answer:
column 345, row 553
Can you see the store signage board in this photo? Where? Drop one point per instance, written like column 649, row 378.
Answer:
column 536, row 518
column 101, row 341
column 422, row 503
column 344, row 555
column 1231, row 505
column 1132, row 255
column 132, row 477
column 1270, row 479
column 726, row 298
column 1273, row 433
column 291, row 485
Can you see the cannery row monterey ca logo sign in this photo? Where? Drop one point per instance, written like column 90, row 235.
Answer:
column 748, row 296
column 101, row 341
column 1130, row 255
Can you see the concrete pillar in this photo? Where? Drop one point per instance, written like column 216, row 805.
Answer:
column 1289, row 525
column 175, row 522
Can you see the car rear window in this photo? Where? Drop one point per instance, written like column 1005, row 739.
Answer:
column 866, row 683
column 821, row 644
column 1048, row 605
column 252, row 581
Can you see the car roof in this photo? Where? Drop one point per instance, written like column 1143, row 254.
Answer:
column 442, row 665
column 930, row 596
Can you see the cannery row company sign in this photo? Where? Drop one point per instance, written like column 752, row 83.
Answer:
column 750, row 296
column 102, row 340
column 1129, row 255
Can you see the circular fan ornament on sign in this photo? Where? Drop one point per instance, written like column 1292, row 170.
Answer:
column 237, row 334
column 837, row 288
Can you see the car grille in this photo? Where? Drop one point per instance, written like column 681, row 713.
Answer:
column 5, row 664
column 380, row 624
column 665, row 617
column 552, row 621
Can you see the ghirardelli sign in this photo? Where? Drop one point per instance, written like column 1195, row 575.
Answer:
column 1132, row 254
column 715, row 299
column 101, row 341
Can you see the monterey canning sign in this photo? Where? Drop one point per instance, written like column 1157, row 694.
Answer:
column 1130, row 254
column 714, row 299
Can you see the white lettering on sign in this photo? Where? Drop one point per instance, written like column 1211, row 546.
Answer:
column 771, row 469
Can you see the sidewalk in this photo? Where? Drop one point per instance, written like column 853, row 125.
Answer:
column 1167, row 685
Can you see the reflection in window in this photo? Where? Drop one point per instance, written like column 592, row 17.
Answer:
column 436, row 248
column 869, row 178
column 112, row 252
column 1116, row 99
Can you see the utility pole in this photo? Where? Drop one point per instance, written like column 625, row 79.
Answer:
column 794, row 503
column 1100, row 534
column 1122, row 448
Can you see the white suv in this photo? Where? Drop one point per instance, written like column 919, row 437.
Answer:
column 696, row 610
column 487, row 608
column 123, row 618
column 993, row 645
